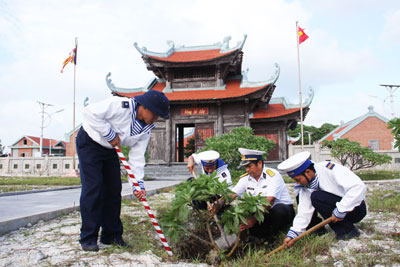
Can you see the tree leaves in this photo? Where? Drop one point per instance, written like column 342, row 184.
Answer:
column 227, row 145
column 355, row 156
column 394, row 124
column 204, row 188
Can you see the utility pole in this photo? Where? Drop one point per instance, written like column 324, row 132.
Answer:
column 391, row 89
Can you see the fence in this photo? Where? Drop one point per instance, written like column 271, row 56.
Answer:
column 36, row 166
column 59, row 166
column 320, row 154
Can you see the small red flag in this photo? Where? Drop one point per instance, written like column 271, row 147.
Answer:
column 302, row 35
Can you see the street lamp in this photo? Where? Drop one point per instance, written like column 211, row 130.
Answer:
column 309, row 137
column 43, row 107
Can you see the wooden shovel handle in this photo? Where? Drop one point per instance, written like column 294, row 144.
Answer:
column 316, row 227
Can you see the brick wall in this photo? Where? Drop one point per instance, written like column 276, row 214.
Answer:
column 371, row 128
column 71, row 145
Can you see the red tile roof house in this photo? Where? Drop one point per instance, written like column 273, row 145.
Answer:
column 29, row 146
column 370, row 130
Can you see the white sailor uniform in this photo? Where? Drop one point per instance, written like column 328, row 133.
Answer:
column 100, row 200
column 222, row 170
column 337, row 180
column 117, row 116
column 281, row 214
column 270, row 184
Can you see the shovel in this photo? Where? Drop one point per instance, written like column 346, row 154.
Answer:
column 316, row 227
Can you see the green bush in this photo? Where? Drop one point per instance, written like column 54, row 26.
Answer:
column 227, row 145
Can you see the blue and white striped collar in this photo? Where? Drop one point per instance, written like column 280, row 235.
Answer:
column 138, row 127
column 314, row 183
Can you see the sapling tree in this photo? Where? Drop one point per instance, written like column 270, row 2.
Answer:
column 355, row 156
column 177, row 220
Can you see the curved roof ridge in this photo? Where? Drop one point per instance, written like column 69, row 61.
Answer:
column 113, row 88
column 222, row 47
column 287, row 105
column 272, row 80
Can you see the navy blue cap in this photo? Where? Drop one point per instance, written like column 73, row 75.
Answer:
column 156, row 102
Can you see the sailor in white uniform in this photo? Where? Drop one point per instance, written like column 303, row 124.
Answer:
column 209, row 162
column 267, row 182
column 329, row 188
column 114, row 122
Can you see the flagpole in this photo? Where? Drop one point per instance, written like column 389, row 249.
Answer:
column 73, row 117
column 300, row 96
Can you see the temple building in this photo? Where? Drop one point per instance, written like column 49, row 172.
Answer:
column 208, row 91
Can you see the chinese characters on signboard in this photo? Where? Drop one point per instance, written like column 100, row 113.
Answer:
column 194, row 111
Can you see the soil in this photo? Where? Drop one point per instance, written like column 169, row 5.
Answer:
column 56, row 242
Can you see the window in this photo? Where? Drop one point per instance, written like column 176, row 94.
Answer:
column 22, row 154
column 38, row 166
column 26, row 166
column 373, row 144
column 55, row 166
column 193, row 73
column 66, row 166
column 1, row 166
column 25, row 142
column 396, row 160
column 15, row 166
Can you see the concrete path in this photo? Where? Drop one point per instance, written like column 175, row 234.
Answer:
column 18, row 210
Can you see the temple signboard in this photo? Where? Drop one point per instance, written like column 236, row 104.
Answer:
column 194, row 111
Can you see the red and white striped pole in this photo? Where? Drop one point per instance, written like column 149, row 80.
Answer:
column 144, row 201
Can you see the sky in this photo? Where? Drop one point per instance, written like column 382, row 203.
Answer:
column 353, row 47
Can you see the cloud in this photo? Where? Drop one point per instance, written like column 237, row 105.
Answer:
column 36, row 37
column 391, row 29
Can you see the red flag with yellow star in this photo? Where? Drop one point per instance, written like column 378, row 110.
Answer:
column 302, row 35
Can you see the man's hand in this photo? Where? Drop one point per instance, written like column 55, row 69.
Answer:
column 140, row 193
column 115, row 142
column 335, row 219
column 214, row 207
column 251, row 221
column 190, row 164
column 288, row 242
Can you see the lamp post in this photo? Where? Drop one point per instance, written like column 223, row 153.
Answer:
column 43, row 106
column 309, row 137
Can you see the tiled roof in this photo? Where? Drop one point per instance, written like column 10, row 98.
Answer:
column 336, row 131
column 273, row 111
column 346, row 127
column 193, row 56
column 232, row 90
column 46, row 141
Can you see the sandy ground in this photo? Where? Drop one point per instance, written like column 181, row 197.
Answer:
column 56, row 242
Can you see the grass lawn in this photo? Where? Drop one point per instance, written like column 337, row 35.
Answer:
column 12, row 184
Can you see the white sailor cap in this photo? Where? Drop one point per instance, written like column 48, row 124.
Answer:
column 296, row 164
column 209, row 158
column 249, row 155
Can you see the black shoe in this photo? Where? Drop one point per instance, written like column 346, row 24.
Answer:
column 321, row 231
column 353, row 233
column 90, row 247
column 116, row 241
